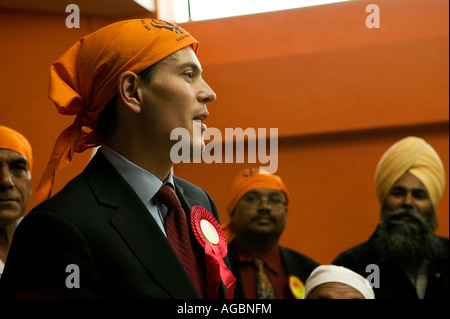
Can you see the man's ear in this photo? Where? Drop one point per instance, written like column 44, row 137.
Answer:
column 129, row 93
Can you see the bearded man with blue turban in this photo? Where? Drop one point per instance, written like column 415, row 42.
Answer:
column 413, row 262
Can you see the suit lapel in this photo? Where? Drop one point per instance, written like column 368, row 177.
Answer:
column 187, row 203
column 138, row 229
column 151, row 247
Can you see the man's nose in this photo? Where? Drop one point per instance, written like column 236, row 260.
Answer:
column 264, row 203
column 207, row 95
column 408, row 200
column 6, row 180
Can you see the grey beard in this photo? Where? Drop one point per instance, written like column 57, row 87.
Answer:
column 407, row 243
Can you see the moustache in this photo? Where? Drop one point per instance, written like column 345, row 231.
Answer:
column 263, row 214
column 404, row 215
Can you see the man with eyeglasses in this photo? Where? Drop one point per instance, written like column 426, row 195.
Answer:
column 257, row 206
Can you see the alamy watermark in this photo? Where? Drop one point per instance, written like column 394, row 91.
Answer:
column 73, row 19
column 373, row 19
column 256, row 140
column 373, row 279
column 73, row 279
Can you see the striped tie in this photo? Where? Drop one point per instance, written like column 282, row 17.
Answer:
column 177, row 231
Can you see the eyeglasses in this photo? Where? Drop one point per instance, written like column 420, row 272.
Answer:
column 274, row 200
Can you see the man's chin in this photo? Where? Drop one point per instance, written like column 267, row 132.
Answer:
column 9, row 216
column 264, row 229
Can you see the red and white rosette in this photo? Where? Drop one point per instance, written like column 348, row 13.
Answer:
column 210, row 235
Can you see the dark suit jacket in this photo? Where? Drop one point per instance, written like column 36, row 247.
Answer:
column 393, row 282
column 98, row 223
column 294, row 263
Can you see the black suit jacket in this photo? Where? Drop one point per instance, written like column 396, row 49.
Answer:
column 98, row 223
column 294, row 263
column 393, row 282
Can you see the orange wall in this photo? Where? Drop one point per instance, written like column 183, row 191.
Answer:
column 339, row 93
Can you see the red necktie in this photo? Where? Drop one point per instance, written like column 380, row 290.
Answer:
column 177, row 230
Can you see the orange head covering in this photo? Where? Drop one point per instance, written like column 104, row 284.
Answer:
column 245, row 181
column 414, row 155
column 85, row 78
column 14, row 141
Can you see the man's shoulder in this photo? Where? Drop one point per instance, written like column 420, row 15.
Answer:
column 185, row 184
column 445, row 248
column 80, row 199
column 297, row 257
column 74, row 191
column 357, row 249
column 98, row 183
column 190, row 189
column 444, row 240
column 75, row 204
column 297, row 264
column 355, row 258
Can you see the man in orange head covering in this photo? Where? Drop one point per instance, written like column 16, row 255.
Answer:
column 257, row 206
column 126, row 227
column 413, row 262
column 16, row 161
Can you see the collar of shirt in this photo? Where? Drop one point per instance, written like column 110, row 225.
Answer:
column 2, row 266
column 272, row 259
column 145, row 184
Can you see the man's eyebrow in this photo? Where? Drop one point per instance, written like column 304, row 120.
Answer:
column 191, row 65
column 403, row 188
column 18, row 160
column 398, row 188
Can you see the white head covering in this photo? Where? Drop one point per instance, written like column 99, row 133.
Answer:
column 331, row 273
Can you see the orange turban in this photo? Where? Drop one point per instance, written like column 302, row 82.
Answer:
column 416, row 156
column 85, row 78
column 245, row 181
column 14, row 141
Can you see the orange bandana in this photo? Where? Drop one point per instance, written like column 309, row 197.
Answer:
column 14, row 141
column 85, row 78
column 245, row 181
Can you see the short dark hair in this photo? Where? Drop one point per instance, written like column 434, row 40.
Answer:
column 147, row 74
column 107, row 119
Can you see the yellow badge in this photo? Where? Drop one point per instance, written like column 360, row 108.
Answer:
column 209, row 231
column 297, row 287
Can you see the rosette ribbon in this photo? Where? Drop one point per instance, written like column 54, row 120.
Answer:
column 210, row 236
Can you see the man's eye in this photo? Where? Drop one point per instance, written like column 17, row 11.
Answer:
column 251, row 198
column 275, row 200
column 420, row 194
column 397, row 192
column 20, row 168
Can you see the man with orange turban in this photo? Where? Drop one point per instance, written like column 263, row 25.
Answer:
column 16, row 161
column 257, row 206
column 413, row 262
column 126, row 227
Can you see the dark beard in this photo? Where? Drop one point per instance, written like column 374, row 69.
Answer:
column 406, row 238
